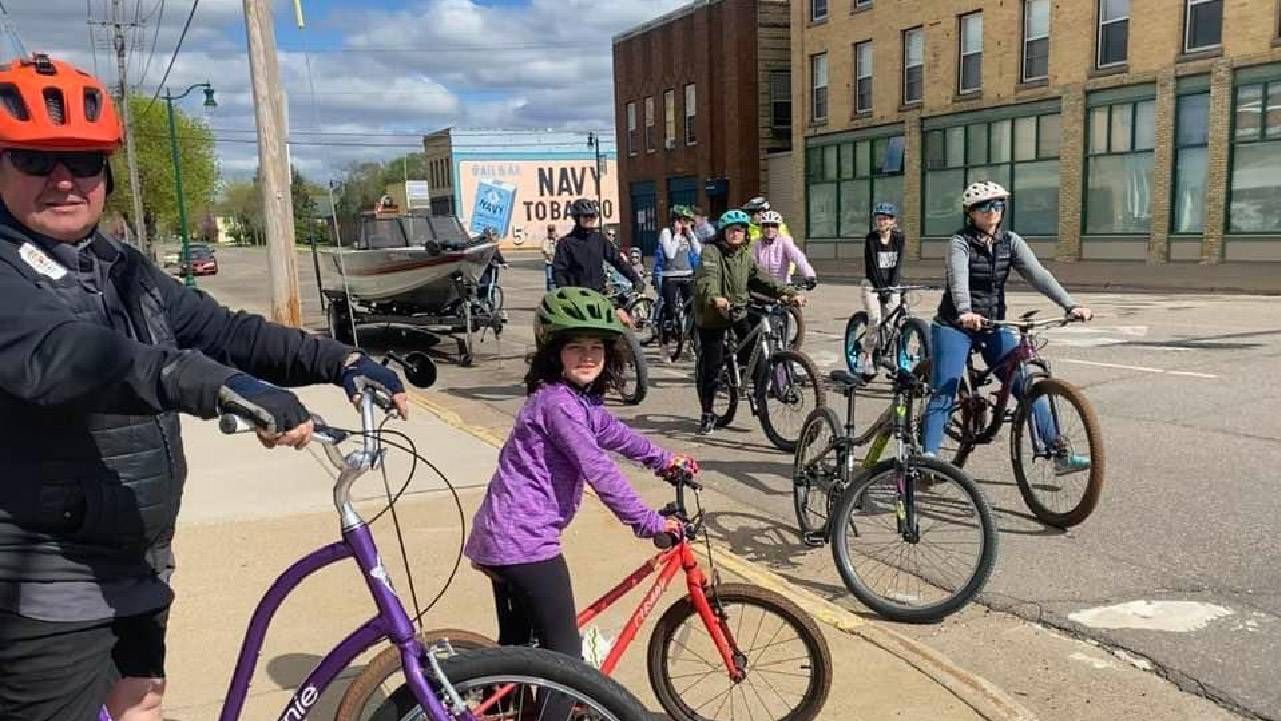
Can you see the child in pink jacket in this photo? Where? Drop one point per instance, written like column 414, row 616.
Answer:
column 777, row 253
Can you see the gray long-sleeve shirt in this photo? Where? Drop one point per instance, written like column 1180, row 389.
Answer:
column 1022, row 259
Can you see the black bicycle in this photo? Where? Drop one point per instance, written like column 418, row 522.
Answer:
column 899, row 335
column 783, row 380
column 912, row 536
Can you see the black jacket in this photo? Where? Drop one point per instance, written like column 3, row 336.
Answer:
column 879, row 276
column 89, row 437
column 580, row 261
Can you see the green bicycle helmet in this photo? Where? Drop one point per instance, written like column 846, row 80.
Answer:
column 734, row 217
column 682, row 211
column 567, row 310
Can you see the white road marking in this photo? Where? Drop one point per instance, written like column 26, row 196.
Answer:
column 1141, row 369
column 1172, row 616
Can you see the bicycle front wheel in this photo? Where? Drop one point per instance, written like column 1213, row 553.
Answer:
column 379, row 679
column 635, row 381
column 786, row 662
column 923, row 572
column 795, row 327
column 913, row 343
column 816, row 471
column 533, row 683
column 856, row 329
column 1060, row 476
column 786, row 391
column 642, row 312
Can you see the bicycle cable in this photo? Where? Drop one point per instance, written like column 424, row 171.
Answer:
column 393, row 499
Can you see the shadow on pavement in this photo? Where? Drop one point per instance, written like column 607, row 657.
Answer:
column 290, row 669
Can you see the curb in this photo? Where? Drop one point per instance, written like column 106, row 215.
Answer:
column 982, row 696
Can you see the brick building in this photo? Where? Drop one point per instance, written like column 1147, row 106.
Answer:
column 1127, row 129
column 703, row 111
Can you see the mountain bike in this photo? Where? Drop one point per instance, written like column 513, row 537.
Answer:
column 882, row 516
column 438, row 685
column 769, row 654
column 1051, row 425
column 783, row 379
column 899, row 334
column 678, row 334
column 791, row 318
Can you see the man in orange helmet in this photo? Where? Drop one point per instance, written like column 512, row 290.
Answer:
column 99, row 352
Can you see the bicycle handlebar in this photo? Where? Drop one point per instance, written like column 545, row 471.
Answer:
column 1030, row 325
column 233, row 424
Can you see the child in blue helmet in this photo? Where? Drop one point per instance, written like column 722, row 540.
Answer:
column 883, row 251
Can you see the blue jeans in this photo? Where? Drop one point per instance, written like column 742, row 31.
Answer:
column 551, row 284
column 950, row 348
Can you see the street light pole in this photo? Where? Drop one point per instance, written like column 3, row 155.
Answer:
column 188, row 278
column 593, row 141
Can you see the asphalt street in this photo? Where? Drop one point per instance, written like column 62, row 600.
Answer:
column 1186, row 389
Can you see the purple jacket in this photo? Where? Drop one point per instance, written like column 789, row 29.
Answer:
column 558, row 440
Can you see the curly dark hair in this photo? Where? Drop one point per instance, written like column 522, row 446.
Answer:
column 545, row 367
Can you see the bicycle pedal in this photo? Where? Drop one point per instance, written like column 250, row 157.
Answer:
column 814, row 539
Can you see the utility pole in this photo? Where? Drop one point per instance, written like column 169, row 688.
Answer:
column 122, row 67
column 273, row 163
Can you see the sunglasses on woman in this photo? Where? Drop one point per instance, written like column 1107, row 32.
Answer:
column 83, row 164
column 990, row 206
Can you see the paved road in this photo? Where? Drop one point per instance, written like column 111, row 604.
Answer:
column 1185, row 388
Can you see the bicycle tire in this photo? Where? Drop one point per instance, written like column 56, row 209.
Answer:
column 642, row 313
column 338, row 316
column 498, row 300
column 683, row 330
column 490, row 666
column 764, row 383
column 855, row 498
column 367, row 685
column 725, row 385
column 1094, row 438
column 635, row 365
column 855, row 329
column 798, row 327
column 808, row 497
column 669, row 625
column 912, row 326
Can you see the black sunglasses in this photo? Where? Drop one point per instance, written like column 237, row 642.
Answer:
column 86, row 164
column 990, row 206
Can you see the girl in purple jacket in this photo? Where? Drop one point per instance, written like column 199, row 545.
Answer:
column 559, row 441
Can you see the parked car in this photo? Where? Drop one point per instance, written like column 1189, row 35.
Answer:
column 203, row 262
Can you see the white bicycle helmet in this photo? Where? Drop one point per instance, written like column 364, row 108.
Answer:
column 981, row 191
column 771, row 217
column 756, row 205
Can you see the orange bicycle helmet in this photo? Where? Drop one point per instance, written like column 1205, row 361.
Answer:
column 49, row 104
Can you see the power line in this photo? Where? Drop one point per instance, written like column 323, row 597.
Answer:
column 154, row 39
column 194, row 4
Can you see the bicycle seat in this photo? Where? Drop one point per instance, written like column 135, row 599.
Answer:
column 846, row 381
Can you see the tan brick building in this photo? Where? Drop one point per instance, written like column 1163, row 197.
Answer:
column 1126, row 129
column 703, row 110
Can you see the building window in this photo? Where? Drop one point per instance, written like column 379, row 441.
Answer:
column 970, row 75
column 631, row 128
column 649, row 124
column 669, row 119
column 1118, row 175
column 863, row 77
column 1254, row 191
column 1204, row 25
column 1114, row 32
column 691, row 110
column 860, row 4
column 845, row 180
column 818, row 88
column 913, row 65
column 780, row 101
column 1036, row 39
column 818, row 10
column 1191, row 136
column 1019, row 153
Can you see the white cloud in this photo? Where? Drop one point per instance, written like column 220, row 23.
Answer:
column 430, row 64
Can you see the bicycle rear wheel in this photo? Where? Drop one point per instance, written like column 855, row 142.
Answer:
column 816, row 471
column 787, row 663
column 856, row 329
column 1066, row 499
column 890, row 568
column 537, row 684
column 786, row 391
column 913, row 343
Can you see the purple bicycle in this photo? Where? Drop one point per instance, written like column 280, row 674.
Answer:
column 440, row 685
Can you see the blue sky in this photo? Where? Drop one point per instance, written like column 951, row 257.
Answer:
column 365, row 78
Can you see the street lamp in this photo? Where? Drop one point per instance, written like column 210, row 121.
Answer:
column 188, row 278
column 593, row 142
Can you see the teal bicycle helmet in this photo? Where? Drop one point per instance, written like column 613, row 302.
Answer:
column 734, row 217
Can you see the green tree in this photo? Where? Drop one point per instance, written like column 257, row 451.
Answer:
column 155, row 167
column 365, row 182
column 242, row 202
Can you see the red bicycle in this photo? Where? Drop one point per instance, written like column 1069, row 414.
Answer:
column 770, row 656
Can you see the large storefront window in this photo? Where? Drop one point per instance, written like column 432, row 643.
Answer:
column 1191, row 136
column 846, row 179
column 1118, row 177
column 1020, row 153
column 1254, row 204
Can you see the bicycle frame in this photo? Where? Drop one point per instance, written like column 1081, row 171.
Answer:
column 677, row 558
column 1014, row 362
column 759, row 338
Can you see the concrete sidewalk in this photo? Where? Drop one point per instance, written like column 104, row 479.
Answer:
column 249, row 513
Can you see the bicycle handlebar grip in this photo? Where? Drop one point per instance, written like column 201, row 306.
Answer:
column 234, row 424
